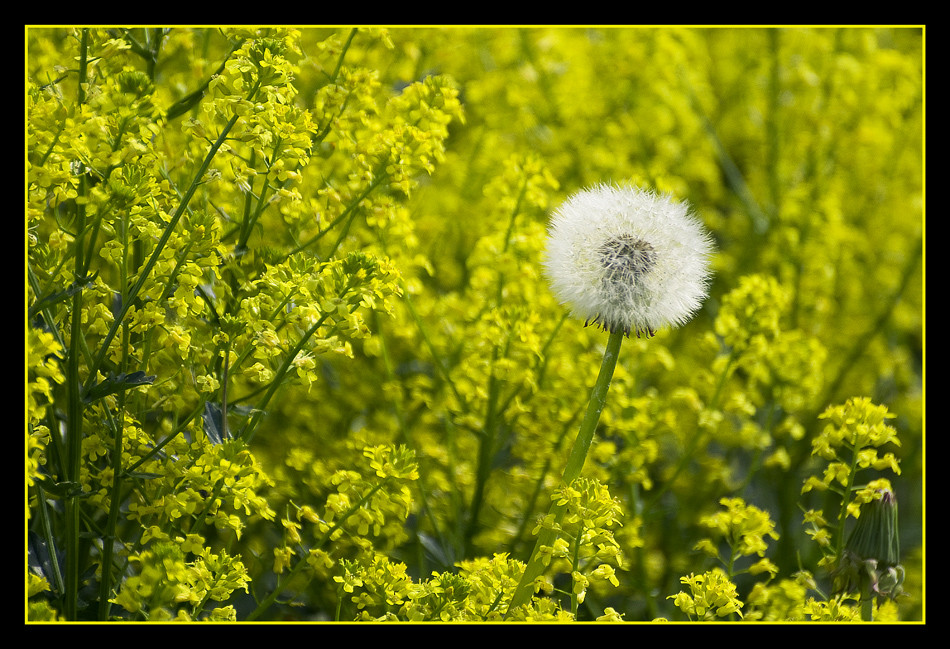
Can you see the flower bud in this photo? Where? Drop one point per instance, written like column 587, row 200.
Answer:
column 870, row 563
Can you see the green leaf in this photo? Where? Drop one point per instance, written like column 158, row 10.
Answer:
column 144, row 475
column 214, row 424
column 62, row 489
column 51, row 299
column 117, row 383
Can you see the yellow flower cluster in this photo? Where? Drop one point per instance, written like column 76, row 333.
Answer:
column 744, row 529
column 168, row 583
column 849, row 445
column 711, row 595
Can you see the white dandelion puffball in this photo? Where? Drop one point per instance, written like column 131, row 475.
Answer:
column 628, row 259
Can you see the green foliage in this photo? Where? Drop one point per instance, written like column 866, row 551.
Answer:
column 291, row 355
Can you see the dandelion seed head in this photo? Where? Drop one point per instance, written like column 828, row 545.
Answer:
column 627, row 258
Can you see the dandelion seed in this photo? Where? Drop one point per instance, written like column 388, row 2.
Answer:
column 627, row 259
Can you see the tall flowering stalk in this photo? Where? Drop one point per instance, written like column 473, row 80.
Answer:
column 630, row 261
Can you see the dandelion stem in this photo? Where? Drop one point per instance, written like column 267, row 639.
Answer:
column 575, row 462
column 598, row 397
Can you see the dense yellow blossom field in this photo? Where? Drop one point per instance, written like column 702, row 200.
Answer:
column 463, row 324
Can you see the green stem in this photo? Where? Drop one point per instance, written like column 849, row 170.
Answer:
column 74, row 386
column 339, row 61
column 845, row 499
column 405, row 431
column 224, row 389
column 494, row 415
column 575, row 566
column 115, row 500
column 56, row 577
column 74, row 398
column 575, row 462
column 248, row 433
column 179, row 429
column 347, row 215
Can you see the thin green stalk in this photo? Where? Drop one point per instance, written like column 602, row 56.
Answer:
column 437, row 360
column 339, row 603
column 191, row 100
column 494, row 415
column 575, row 462
column 179, row 429
column 74, row 399
column 248, row 432
column 224, row 389
column 845, row 497
column 251, row 217
column 773, row 141
column 339, row 61
column 56, row 577
column 575, row 566
column 118, row 427
column 347, row 214
column 74, row 386
column 108, row 539
column 734, row 177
